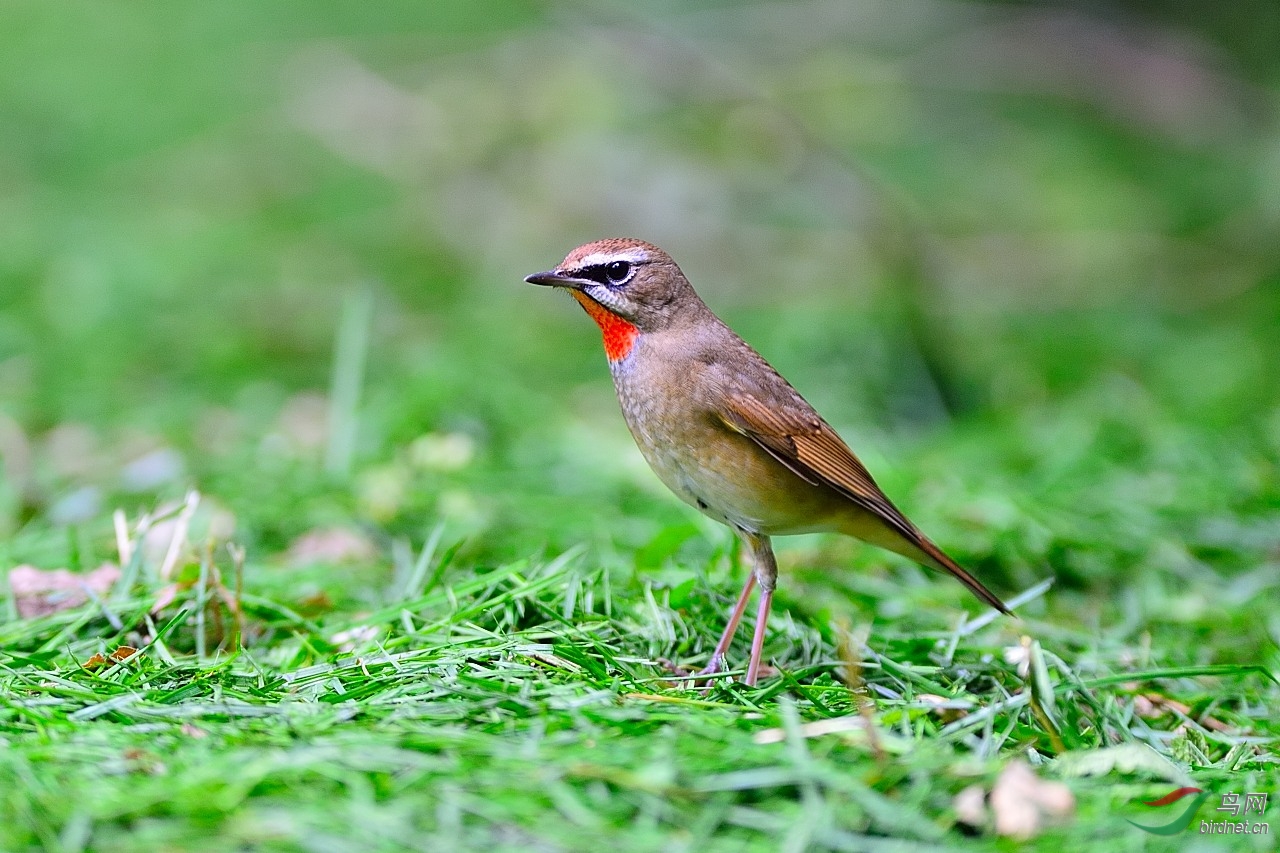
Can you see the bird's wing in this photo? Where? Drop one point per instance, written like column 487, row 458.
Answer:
column 804, row 443
column 799, row 439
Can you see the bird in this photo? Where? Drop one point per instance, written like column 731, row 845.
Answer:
column 724, row 431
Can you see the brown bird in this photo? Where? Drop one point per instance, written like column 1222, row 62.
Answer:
column 723, row 430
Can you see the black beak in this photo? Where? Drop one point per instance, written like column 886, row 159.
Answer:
column 553, row 278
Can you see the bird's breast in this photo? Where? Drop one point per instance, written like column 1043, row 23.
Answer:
column 670, row 409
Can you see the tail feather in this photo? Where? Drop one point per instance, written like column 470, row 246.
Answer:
column 895, row 533
column 939, row 560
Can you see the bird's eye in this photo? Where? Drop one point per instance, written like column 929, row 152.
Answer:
column 617, row 271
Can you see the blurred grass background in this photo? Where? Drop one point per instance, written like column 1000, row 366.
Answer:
column 1023, row 256
column 1058, row 220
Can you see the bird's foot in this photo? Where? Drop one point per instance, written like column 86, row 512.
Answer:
column 700, row 678
column 715, row 667
column 705, row 675
column 676, row 669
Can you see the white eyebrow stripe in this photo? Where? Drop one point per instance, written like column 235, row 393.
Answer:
column 634, row 256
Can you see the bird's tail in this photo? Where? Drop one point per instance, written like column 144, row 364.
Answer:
column 939, row 560
column 889, row 529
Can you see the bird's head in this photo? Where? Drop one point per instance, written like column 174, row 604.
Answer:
column 625, row 279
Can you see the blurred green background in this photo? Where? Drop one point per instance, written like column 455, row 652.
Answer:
column 1024, row 256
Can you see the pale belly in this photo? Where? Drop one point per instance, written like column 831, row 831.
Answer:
column 725, row 475
column 744, row 495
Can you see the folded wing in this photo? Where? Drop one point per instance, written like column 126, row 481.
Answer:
column 799, row 439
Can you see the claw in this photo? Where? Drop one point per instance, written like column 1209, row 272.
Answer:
column 715, row 667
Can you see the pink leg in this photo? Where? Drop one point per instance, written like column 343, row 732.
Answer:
column 766, row 574
column 757, row 639
column 722, row 648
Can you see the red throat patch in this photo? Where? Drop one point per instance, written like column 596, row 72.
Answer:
column 619, row 335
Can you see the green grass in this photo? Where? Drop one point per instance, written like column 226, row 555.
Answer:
column 283, row 244
column 520, row 703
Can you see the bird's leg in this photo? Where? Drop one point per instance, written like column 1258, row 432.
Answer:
column 766, row 574
column 722, row 648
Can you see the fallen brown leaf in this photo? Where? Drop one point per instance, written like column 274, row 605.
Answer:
column 121, row 653
column 164, row 597
column 315, row 603
column 303, row 424
column 138, row 760
column 1153, row 705
column 971, row 806
column 330, row 545
column 1022, row 802
column 37, row 592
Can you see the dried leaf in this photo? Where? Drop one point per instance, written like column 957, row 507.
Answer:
column 971, row 806
column 330, row 545
column 139, row 760
column 314, row 603
column 165, row 597
column 1153, row 705
column 303, row 425
column 37, row 592
column 1022, row 802
column 121, row 653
